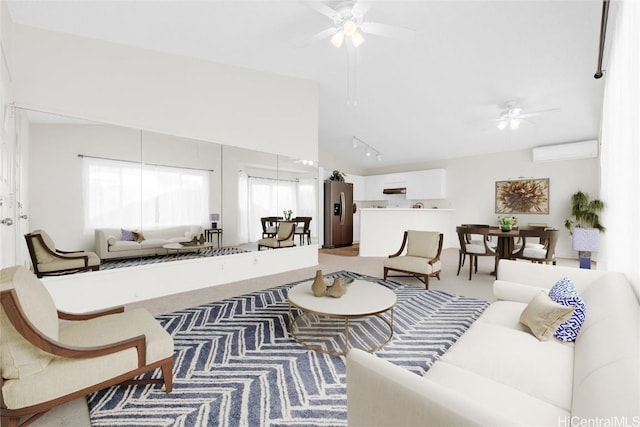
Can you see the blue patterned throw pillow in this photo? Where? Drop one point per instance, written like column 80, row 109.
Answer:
column 564, row 292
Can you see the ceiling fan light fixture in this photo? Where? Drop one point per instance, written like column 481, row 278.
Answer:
column 502, row 124
column 337, row 39
column 350, row 28
column 514, row 124
column 357, row 39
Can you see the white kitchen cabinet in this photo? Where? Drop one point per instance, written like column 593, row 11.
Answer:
column 358, row 186
column 427, row 184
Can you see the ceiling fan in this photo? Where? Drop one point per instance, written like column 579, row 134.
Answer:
column 348, row 23
column 512, row 116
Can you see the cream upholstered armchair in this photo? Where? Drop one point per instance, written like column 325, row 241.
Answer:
column 49, row 261
column 282, row 239
column 44, row 365
column 422, row 258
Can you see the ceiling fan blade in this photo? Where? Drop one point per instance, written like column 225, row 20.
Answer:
column 537, row 113
column 392, row 31
column 322, row 8
column 360, row 7
column 324, row 34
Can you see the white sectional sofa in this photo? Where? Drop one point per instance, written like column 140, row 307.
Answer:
column 499, row 374
column 109, row 243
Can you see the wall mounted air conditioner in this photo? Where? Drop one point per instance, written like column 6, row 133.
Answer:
column 570, row 151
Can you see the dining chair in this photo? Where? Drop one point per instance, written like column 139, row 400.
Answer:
column 538, row 253
column 477, row 241
column 303, row 230
column 269, row 226
column 283, row 237
column 473, row 242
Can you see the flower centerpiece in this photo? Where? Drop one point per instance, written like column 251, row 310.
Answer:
column 287, row 215
column 507, row 222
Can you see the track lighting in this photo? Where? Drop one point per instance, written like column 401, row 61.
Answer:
column 369, row 150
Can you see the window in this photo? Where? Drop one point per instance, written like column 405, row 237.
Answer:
column 126, row 194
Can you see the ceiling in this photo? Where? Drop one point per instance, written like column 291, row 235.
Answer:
column 435, row 97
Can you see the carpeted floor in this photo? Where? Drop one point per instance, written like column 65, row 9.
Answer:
column 235, row 363
column 110, row 264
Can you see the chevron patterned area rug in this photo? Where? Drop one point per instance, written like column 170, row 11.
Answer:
column 236, row 365
column 110, row 264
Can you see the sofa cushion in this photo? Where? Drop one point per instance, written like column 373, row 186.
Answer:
column 565, row 293
column 153, row 243
column 18, row 357
column 122, row 245
column 542, row 369
column 520, row 407
column 178, row 240
column 543, row 316
column 607, row 369
column 111, row 240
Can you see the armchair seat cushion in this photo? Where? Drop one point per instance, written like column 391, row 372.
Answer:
column 476, row 248
column 62, row 264
column 533, row 252
column 273, row 242
column 412, row 263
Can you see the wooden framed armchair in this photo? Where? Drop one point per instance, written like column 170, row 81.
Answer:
column 49, row 261
column 422, row 258
column 44, row 365
column 282, row 239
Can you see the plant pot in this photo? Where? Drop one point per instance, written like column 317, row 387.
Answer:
column 505, row 228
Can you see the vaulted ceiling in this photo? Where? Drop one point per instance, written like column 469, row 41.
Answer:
column 435, row 97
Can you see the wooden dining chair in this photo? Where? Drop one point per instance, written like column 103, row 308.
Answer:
column 474, row 247
column 539, row 253
column 303, row 230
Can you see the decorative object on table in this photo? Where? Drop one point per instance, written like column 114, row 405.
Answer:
column 287, row 215
column 201, row 239
column 319, row 287
column 584, row 225
column 523, row 196
column 337, row 176
column 507, row 222
column 214, row 218
column 418, row 205
column 336, row 290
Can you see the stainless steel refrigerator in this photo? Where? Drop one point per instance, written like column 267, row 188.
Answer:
column 338, row 214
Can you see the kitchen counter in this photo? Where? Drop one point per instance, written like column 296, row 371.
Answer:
column 381, row 229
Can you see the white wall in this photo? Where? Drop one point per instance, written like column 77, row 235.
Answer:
column 165, row 93
column 55, row 171
column 471, row 187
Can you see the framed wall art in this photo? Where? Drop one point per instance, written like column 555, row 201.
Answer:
column 522, row 196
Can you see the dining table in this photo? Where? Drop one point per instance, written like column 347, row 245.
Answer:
column 506, row 244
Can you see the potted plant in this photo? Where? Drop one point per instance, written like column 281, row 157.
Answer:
column 584, row 225
column 337, row 176
column 507, row 222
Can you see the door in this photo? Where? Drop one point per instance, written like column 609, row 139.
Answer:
column 7, row 187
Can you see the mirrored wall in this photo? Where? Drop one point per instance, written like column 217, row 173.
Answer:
column 90, row 183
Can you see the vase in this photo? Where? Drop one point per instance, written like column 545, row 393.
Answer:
column 505, row 227
column 319, row 287
column 336, row 290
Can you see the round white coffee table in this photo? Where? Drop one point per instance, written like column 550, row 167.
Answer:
column 362, row 300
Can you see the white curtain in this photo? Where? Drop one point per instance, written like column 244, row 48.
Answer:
column 129, row 195
column 270, row 197
column 243, row 207
column 620, row 149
